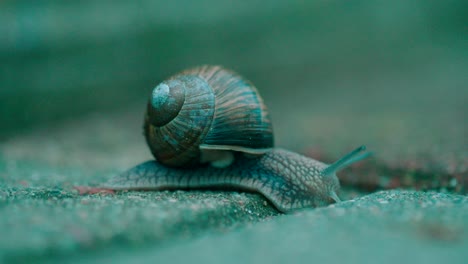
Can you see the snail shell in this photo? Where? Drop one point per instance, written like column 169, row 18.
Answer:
column 203, row 115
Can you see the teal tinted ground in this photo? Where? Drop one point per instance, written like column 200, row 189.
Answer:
column 43, row 218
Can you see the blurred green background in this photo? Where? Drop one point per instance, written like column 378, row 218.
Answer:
column 61, row 60
column 393, row 75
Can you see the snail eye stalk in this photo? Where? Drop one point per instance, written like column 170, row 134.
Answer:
column 348, row 159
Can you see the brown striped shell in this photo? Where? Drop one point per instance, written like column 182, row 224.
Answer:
column 203, row 115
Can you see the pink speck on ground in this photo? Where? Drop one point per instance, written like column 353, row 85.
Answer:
column 83, row 190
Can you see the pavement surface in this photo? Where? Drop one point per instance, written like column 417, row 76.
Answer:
column 387, row 227
column 44, row 218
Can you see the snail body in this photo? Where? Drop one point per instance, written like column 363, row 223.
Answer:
column 290, row 181
column 209, row 128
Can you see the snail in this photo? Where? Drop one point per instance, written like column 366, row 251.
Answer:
column 208, row 127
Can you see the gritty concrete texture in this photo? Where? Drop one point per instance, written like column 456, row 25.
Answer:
column 385, row 227
column 42, row 223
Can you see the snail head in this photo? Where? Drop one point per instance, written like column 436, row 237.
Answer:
column 330, row 171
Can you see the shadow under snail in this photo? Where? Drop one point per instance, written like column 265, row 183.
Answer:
column 208, row 127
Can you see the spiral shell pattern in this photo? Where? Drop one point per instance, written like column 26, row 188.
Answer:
column 215, row 108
